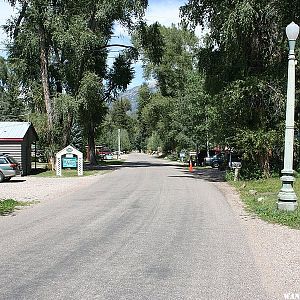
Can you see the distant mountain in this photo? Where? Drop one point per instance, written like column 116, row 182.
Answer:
column 133, row 93
column 132, row 96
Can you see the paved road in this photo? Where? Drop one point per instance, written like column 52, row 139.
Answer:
column 146, row 231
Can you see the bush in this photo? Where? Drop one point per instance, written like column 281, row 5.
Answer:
column 173, row 156
column 229, row 176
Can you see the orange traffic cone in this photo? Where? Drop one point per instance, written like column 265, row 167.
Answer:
column 191, row 166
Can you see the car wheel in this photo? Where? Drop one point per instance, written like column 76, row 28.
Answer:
column 215, row 164
column 1, row 177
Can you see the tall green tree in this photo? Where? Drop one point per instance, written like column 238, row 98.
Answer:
column 91, row 108
column 119, row 114
column 174, row 115
column 244, row 64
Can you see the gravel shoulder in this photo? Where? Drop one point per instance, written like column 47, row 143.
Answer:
column 275, row 248
column 32, row 188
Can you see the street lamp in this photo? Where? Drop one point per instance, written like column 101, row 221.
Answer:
column 287, row 199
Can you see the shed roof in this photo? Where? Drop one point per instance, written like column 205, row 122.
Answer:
column 15, row 130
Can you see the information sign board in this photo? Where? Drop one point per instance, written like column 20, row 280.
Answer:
column 69, row 162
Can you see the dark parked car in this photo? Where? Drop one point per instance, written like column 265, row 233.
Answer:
column 215, row 161
column 224, row 160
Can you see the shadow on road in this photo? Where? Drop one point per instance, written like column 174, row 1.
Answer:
column 209, row 174
column 212, row 175
column 13, row 180
column 144, row 164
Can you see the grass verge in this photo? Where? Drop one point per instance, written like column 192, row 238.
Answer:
column 260, row 197
column 7, row 206
column 88, row 170
column 69, row 173
column 113, row 162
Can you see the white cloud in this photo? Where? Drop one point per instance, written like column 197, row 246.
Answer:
column 164, row 12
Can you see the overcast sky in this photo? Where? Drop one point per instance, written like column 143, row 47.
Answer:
column 165, row 12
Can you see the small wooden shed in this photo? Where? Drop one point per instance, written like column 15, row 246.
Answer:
column 16, row 139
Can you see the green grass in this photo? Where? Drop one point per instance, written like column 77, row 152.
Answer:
column 113, row 162
column 7, row 206
column 68, row 173
column 89, row 170
column 263, row 202
column 202, row 167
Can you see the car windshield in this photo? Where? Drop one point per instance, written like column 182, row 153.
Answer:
column 11, row 160
column 3, row 161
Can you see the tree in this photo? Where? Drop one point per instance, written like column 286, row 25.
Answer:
column 118, row 118
column 243, row 62
column 91, row 109
column 119, row 114
column 55, row 43
column 194, row 114
column 177, row 114
column 144, row 98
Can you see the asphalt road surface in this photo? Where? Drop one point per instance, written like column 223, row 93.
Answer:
column 149, row 230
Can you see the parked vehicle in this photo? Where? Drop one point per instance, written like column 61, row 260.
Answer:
column 215, row 161
column 224, row 160
column 9, row 167
column 104, row 153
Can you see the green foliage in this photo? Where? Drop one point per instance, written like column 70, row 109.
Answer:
column 77, row 138
column 108, row 136
column 258, row 148
column 154, row 142
column 229, row 175
column 176, row 60
column 173, row 115
column 150, row 40
column 192, row 116
column 91, row 108
column 119, row 114
column 120, row 74
column 7, row 206
column 243, row 61
column 118, row 118
column 11, row 105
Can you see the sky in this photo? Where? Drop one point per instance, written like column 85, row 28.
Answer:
column 165, row 12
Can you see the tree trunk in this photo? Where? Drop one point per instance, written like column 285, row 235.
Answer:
column 45, row 77
column 46, row 88
column 265, row 165
column 67, row 130
column 91, row 144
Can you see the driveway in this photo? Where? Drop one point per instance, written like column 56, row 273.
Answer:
column 150, row 230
